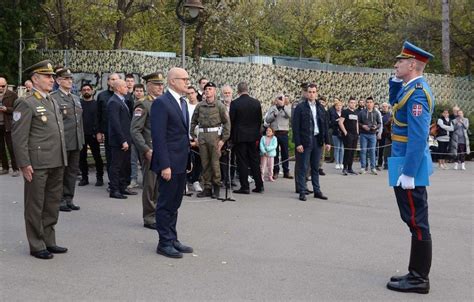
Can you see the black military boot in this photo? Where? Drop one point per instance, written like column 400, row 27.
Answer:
column 416, row 281
column 216, row 189
column 63, row 206
column 84, row 182
column 205, row 193
column 99, row 182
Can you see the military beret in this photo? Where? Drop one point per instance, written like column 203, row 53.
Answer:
column 410, row 51
column 43, row 67
column 64, row 73
column 156, row 77
column 210, row 84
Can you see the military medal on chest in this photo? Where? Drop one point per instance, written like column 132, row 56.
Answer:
column 44, row 118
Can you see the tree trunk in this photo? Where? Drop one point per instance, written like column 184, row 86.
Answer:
column 119, row 33
column 445, row 51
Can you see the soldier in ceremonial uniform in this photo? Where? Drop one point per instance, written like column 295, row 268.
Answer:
column 413, row 103
column 214, row 129
column 141, row 135
column 71, row 111
column 40, row 150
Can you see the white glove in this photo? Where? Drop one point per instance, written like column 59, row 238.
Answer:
column 406, row 182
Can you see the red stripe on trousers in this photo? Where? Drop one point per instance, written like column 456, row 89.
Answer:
column 413, row 221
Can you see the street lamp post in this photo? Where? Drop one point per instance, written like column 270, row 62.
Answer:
column 193, row 7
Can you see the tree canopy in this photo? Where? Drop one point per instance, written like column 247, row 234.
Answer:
column 359, row 33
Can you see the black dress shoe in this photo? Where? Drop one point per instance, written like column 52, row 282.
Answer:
column 258, row 190
column 242, row 191
column 56, row 249
column 321, row 172
column 99, row 183
column 204, row 193
column 182, row 248
column 83, row 182
column 307, row 192
column 288, row 175
column 43, row 254
column 128, row 192
column 63, row 207
column 398, row 278
column 151, row 226
column 73, row 207
column 320, row 195
column 302, row 197
column 413, row 283
column 344, row 172
column 117, row 195
column 352, row 172
column 168, row 251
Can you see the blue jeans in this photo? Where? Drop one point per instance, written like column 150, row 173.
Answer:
column 283, row 145
column 310, row 157
column 367, row 144
column 338, row 149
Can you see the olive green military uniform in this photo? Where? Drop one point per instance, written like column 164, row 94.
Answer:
column 141, row 134
column 38, row 141
column 71, row 110
column 214, row 125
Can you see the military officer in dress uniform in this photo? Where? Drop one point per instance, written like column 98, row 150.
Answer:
column 214, row 129
column 413, row 103
column 141, row 135
column 71, row 110
column 40, row 151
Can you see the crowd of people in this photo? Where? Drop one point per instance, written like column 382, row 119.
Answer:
column 188, row 134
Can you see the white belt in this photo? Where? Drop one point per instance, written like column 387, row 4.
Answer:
column 206, row 130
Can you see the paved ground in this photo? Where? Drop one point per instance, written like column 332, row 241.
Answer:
column 264, row 247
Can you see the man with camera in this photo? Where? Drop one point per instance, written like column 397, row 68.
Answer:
column 369, row 123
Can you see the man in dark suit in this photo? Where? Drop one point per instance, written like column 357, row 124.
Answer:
column 310, row 133
column 246, row 119
column 170, row 138
column 119, row 141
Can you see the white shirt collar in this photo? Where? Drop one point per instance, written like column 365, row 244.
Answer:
column 176, row 96
column 413, row 79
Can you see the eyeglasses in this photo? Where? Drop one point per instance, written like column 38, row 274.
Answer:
column 184, row 79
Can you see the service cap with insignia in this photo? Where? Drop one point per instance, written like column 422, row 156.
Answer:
column 156, row 77
column 43, row 67
column 64, row 73
column 410, row 51
column 210, row 84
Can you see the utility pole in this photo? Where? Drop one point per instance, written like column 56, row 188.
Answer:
column 20, row 63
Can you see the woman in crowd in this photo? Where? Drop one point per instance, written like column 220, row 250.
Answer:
column 460, row 140
column 443, row 137
column 336, row 133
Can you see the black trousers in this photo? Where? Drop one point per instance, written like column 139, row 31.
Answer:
column 195, row 173
column 247, row 156
column 94, row 145
column 6, row 139
column 108, row 154
column 167, row 205
column 120, row 169
column 350, row 144
column 413, row 206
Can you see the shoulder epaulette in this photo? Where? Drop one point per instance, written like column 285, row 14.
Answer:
column 419, row 86
column 37, row 95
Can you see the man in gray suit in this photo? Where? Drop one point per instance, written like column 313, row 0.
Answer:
column 71, row 111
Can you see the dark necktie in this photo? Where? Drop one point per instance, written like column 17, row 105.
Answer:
column 183, row 108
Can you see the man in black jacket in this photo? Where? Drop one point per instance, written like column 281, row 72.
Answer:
column 310, row 133
column 246, row 119
column 102, row 118
column 119, row 141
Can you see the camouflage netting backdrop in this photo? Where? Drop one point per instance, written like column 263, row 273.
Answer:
column 265, row 81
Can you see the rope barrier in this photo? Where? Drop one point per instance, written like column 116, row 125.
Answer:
column 353, row 149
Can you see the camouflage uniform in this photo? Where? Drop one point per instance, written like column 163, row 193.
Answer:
column 214, row 125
